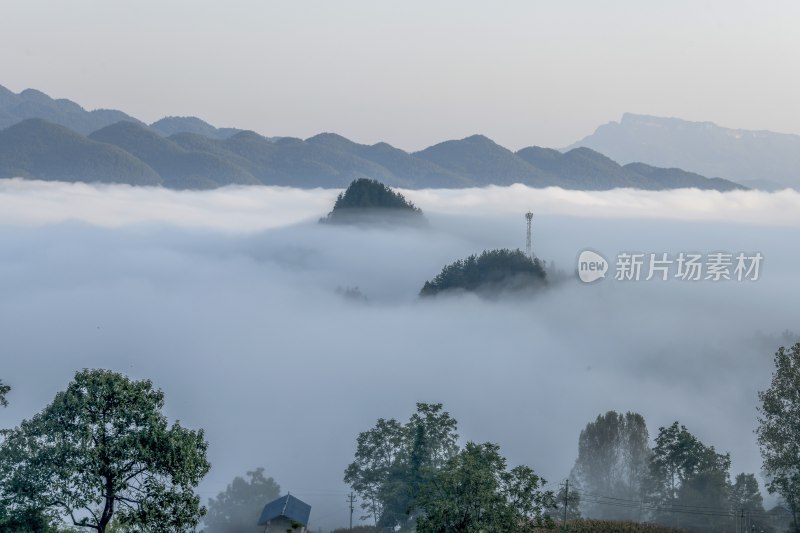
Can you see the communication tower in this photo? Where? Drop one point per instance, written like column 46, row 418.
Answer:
column 528, row 251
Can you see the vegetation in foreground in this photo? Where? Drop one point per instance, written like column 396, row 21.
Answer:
column 102, row 457
column 237, row 508
column 615, row 526
column 102, row 451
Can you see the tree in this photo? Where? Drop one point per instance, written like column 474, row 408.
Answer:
column 367, row 200
column 238, row 507
column 490, row 273
column 613, row 460
column 26, row 521
column 688, row 474
column 4, row 389
column 103, row 449
column 393, row 460
column 573, row 504
column 474, row 492
column 745, row 496
column 779, row 429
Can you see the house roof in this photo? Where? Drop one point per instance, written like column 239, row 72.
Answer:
column 287, row 506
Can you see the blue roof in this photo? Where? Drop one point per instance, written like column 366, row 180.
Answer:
column 287, row 506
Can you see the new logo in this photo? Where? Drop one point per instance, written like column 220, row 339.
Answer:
column 591, row 266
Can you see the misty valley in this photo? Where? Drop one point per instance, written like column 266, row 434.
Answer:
column 399, row 267
column 414, row 360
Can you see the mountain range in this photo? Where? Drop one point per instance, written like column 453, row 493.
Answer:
column 50, row 139
column 759, row 159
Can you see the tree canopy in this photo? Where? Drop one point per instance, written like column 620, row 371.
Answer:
column 394, row 460
column 613, row 460
column 474, row 492
column 101, row 450
column 370, row 200
column 491, row 272
column 238, row 507
column 686, row 473
column 779, row 429
column 746, row 495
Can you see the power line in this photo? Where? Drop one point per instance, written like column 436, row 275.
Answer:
column 705, row 510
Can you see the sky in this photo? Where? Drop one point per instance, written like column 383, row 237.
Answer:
column 413, row 73
column 233, row 311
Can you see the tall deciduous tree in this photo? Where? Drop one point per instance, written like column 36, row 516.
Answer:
column 688, row 474
column 613, row 460
column 474, row 492
column 746, row 496
column 779, row 429
column 393, row 460
column 101, row 450
column 236, row 510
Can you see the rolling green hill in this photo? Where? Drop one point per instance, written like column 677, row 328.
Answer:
column 483, row 161
column 168, row 126
column 179, row 168
column 38, row 149
column 30, row 103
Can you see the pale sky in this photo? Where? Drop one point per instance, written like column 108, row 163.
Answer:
column 410, row 72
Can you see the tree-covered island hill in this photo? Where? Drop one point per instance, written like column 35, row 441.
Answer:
column 368, row 202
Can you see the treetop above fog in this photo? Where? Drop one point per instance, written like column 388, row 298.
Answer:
column 368, row 197
column 491, row 272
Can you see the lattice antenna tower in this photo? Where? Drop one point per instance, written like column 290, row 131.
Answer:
column 528, row 251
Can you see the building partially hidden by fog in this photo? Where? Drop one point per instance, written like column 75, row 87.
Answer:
column 287, row 513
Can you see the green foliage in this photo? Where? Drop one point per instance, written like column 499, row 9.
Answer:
column 25, row 521
column 779, row 429
column 371, row 193
column 393, row 460
column 685, row 472
column 573, row 504
column 614, row 526
column 103, row 449
column 490, row 272
column 613, row 460
column 370, row 200
column 4, row 390
column 475, row 492
column 238, row 507
column 745, row 495
column 357, row 529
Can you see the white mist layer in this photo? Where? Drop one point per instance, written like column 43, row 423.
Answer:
column 31, row 203
column 226, row 299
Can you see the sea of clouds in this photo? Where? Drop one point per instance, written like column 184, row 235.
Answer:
column 227, row 300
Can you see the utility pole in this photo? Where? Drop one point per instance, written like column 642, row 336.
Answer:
column 351, row 500
column 566, row 500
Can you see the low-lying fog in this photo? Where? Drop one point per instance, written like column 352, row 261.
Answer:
column 227, row 300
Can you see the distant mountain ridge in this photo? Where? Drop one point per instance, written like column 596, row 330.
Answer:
column 188, row 153
column 760, row 159
column 171, row 125
column 30, row 103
